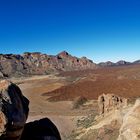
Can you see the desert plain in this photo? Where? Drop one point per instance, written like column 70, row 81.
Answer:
column 59, row 96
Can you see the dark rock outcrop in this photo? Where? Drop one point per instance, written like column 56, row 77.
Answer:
column 42, row 129
column 13, row 115
column 13, row 111
column 38, row 63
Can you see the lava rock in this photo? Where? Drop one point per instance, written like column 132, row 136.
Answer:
column 13, row 111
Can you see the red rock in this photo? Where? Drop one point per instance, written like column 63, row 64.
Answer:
column 38, row 63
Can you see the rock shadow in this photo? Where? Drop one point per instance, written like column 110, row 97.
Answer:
column 43, row 129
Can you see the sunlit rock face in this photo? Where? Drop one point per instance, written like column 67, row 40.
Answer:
column 109, row 102
column 38, row 63
column 13, row 111
column 130, row 129
column 1, row 75
column 128, row 115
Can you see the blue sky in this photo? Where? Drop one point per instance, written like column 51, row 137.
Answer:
column 99, row 29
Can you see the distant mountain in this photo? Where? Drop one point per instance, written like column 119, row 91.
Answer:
column 122, row 62
column 37, row 63
column 136, row 62
column 109, row 63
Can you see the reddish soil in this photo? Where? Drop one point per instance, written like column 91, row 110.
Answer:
column 123, row 81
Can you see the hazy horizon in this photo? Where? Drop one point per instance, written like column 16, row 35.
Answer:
column 100, row 30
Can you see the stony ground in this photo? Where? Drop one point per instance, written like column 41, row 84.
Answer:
column 53, row 96
column 60, row 112
column 122, row 81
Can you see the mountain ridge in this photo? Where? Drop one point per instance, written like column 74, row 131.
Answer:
column 37, row 63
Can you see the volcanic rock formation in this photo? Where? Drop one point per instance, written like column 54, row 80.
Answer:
column 130, row 129
column 38, row 63
column 42, row 129
column 109, row 102
column 13, row 111
column 13, row 115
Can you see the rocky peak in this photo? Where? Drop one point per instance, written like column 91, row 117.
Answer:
column 108, row 63
column 122, row 62
column 86, row 59
column 63, row 54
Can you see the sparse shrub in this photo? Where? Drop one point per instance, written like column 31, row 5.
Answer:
column 79, row 101
column 86, row 122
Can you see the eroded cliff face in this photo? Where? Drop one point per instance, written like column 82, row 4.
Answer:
column 38, row 63
column 117, row 120
column 128, row 117
column 130, row 128
column 110, row 102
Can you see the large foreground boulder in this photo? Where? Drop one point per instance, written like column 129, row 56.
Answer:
column 42, row 129
column 13, row 115
column 13, row 111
